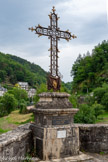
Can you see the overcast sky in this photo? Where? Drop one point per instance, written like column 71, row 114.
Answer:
column 88, row 19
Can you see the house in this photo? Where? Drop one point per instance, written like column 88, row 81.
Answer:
column 23, row 85
column 2, row 90
column 31, row 92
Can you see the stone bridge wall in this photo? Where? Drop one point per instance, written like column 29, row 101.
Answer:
column 94, row 137
column 15, row 144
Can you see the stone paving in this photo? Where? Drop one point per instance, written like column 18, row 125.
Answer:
column 83, row 157
column 98, row 157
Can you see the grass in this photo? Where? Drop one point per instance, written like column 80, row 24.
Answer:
column 4, row 131
column 17, row 118
column 13, row 120
column 103, row 118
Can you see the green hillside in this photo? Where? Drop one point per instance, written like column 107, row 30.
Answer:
column 91, row 70
column 14, row 69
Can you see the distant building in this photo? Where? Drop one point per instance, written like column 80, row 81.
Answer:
column 2, row 90
column 31, row 92
column 24, row 85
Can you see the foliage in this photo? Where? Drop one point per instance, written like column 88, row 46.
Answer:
column 101, row 96
column 105, row 101
column 3, row 130
column 3, row 110
column 91, row 71
column 7, row 104
column 19, row 93
column 98, row 108
column 73, row 100
column 86, row 114
column 66, row 87
column 23, row 107
column 14, row 69
column 103, row 118
column 42, row 88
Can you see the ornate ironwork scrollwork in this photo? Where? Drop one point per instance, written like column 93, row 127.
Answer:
column 54, row 34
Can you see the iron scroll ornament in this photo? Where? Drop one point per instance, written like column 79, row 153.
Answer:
column 54, row 34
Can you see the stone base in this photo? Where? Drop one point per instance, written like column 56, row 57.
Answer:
column 55, row 135
column 53, row 109
column 56, row 142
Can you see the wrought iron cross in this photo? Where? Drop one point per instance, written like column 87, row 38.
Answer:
column 54, row 34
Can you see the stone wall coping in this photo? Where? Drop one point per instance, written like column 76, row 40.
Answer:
column 50, row 111
column 15, row 135
column 91, row 125
column 54, row 94
column 55, row 127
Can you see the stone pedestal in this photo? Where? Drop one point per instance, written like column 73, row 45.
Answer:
column 55, row 135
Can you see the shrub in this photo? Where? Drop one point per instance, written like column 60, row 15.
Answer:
column 9, row 102
column 19, row 93
column 105, row 101
column 98, row 108
column 86, row 115
column 3, row 111
column 23, row 107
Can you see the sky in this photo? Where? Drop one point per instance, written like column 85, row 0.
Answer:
column 87, row 19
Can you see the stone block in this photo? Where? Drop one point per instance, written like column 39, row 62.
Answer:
column 57, row 142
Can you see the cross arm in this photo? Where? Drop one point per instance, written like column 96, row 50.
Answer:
column 65, row 35
column 41, row 30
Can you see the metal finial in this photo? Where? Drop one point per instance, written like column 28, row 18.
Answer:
column 32, row 29
column 53, row 9
column 73, row 36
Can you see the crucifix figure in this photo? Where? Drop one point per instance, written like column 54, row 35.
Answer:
column 54, row 34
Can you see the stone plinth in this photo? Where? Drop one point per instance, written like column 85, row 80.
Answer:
column 55, row 135
column 54, row 109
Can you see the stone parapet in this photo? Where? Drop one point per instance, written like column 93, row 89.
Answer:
column 93, row 137
column 15, row 144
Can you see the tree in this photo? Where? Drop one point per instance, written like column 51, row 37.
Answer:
column 2, row 75
column 14, row 69
column 42, row 88
column 9, row 102
column 91, row 69
column 73, row 100
column 19, row 93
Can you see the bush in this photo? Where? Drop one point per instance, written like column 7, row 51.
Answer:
column 3, row 111
column 23, row 107
column 98, row 108
column 9, row 102
column 105, row 101
column 101, row 96
column 98, row 94
column 86, row 115
column 19, row 93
